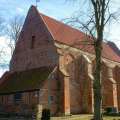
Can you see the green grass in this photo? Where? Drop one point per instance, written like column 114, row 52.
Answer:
column 82, row 117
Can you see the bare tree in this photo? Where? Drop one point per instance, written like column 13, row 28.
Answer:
column 94, row 24
column 3, row 62
column 13, row 31
column 1, row 32
column 1, row 25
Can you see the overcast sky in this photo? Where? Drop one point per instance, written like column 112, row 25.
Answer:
column 57, row 9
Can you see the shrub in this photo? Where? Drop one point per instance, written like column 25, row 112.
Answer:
column 111, row 110
column 45, row 114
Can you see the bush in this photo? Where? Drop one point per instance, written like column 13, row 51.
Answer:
column 110, row 110
column 45, row 114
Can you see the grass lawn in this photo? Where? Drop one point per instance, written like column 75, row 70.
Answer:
column 82, row 117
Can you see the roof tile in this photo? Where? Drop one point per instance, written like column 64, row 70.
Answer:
column 73, row 37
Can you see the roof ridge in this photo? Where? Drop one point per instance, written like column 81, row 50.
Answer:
column 60, row 22
column 46, row 25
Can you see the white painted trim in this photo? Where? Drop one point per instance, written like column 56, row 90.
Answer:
column 112, row 80
column 88, row 60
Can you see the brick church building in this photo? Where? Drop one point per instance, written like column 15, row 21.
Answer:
column 50, row 69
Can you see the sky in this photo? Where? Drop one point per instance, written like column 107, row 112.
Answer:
column 55, row 8
column 58, row 9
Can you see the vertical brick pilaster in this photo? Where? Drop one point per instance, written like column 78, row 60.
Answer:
column 66, row 95
column 115, row 102
column 90, row 74
column 114, row 88
column 92, row 94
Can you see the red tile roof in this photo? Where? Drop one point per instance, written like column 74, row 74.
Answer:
column 73, row 37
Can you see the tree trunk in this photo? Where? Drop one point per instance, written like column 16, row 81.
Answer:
column 97, row 81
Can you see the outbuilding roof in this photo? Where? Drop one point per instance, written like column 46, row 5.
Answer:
column 24, row 80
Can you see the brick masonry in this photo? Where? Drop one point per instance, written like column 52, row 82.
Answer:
column 35, row 53
column 69, row 88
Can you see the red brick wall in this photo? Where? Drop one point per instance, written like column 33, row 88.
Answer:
column 44, row 52
column 80, row 85
column 107, row 88
column 31, row 99
column 85, row 86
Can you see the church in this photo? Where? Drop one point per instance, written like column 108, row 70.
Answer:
column 48, row 67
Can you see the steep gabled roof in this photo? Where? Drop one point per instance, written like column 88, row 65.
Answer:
column 73, row 37
column 24, row 81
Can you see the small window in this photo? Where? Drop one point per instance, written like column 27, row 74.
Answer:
column 17, row 97
column 51, row 98
column 36, row 93
column 33, row 42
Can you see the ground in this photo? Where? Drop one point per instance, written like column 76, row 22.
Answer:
column 83, row 117
column 73, row 117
